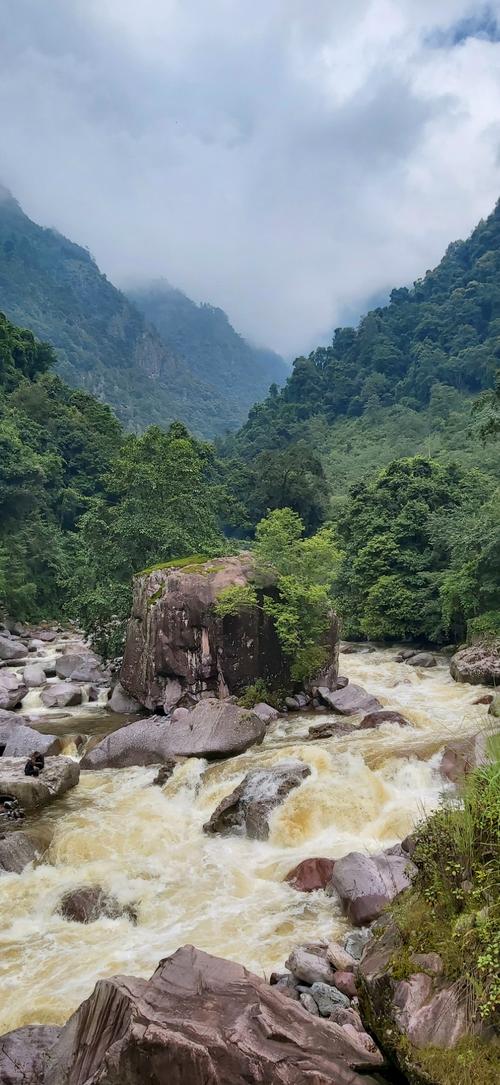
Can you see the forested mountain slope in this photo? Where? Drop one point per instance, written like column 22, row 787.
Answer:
column 103, row 343
column 240, row 373
column 411, row 365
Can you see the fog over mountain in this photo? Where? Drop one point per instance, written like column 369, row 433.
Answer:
column 286, row 161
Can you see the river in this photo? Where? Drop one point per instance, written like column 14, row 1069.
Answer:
column 225, row 895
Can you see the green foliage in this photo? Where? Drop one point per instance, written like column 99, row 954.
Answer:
column 193, row 562
column 471, row 1062
column 453, row 906
column 306, row 569
column 232, row 600
column 485, row 628
column 258, row 692
column 487, row 411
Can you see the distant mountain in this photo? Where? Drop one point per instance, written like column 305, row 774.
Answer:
column 106, row 345
column 202, row 335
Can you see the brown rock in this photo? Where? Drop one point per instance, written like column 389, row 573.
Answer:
column 311, row 874
column 23, row 1051
column 340, row 958
column 201, row 1020
column 464, row 756
column 367, row 883
column 330, row 729
column 90, row 902
column 251, row 803
column 485, row 699
column 478, row 664
column 165, row 772
column 345, row 982
column 384, row 715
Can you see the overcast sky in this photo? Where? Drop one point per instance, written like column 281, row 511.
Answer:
column 287, row 160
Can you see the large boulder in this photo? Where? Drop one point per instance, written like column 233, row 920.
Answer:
column 11, row 648
column 17, row 849
column 23, row 1052
column 479, row 664
column 177, row 646
column 350, row 700
column 61, row 695
column 366, row 884
column 20, row 741
column 12, row 690
column 201, row 1020
column 91, row 902
column 59, row 775
column 311, row 874
column 81, row 667
column 144, row 742
column 250, row 804
column 34, row 675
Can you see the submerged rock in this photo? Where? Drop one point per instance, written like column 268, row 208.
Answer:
column 478, row 664
column 201, row 1020
column 365, row 884
column 164, row 774
column 91, row 902
column 310, row 874
column 251, row 803
column 59, row 775
column 330, row 729
column 384, row 715
column 17, row 849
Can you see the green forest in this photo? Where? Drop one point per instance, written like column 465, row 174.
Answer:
column 371, row 477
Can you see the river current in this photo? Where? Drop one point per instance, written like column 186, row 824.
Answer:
column 226, row 895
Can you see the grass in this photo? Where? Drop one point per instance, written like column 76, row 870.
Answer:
column 189, row 564
column 471, row 1062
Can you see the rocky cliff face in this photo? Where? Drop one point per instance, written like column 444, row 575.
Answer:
column 177, row 647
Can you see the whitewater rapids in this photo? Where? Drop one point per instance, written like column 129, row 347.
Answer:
column 224, row 894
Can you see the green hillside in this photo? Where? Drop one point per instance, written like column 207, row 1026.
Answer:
column 103, row 343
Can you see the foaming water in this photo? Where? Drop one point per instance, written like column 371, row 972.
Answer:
column 224, row 894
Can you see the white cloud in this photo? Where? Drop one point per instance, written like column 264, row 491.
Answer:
column 282, row 159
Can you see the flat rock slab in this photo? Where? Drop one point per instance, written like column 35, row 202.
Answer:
column 59, row 775
column 250, row 804
column 20, row 740
column 202, row 1020
column 17, row 849
column 367, row 883
column 351, row 700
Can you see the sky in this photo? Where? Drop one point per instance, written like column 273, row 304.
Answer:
column 287, row 160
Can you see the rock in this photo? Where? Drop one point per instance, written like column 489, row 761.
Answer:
column 251, row 803
column 487, row 698
column 266, row 712
column 310, row 967
column 352, row 700
column 90, row 903
column 46, row 635
column 494, row 709
column 35, row 644
column 326, row 996
column 201, row 1020
column 34, row 675
column 12, row 690
column 339, row 958
column 165, row 772
column 385, row 715
column 428, row 962
column 478, row 664
column 20, row 741
column 61, row 695
column 356, row 941
column 422, row 659
column 310, row 874
column 343, row 1016
column 16, row 851
column 12, row 717
column 120, row 701
column 175, row 635
column 464, row 756
column 288, row 986
column 172, row 694
column 367, row 883
column 405, row 654
column 71, row 661
column 23, row 1051
column 214, row 729
column 346, row 984
column 356, row 648
column 330, row 729
column 59, row 774
column 144, row 742
column 11, row 649
column 309, row 1003
column 179, row 714
column 292, row 704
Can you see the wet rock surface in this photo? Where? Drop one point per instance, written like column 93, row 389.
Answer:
column 19, row 740
column 12, row 690
column 384, row 715
column 90, row 903
column 17, row 849
column 144, row 742
column 206, row 1021
column 59, row 775
column 311, row 874
column 61, row 695
column 250, row 804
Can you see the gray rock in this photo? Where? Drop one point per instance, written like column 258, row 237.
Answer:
column 310, row 967
column 288, row 986
column 339, row 958
column 59, row 775
column 351, row 700
column 266, row 712
column 61, row 695
column 35, row 644
column 309, row 1003
column 422, row 659
column 21, row 741
column 478, row 664
column 121, row 701
column 12, row 717
column 172, row 694
column 367, row 883
column 355, row 942
column 326, row 997
column 251, row 803
column 215, row 729
column 12, row 690
column 16, row 851
column 34, row 675
column 23, row 1051
column 179, row 714
column 11, row 649
column 292, row 704
column 144, row 742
